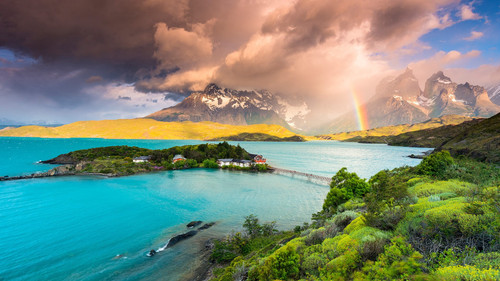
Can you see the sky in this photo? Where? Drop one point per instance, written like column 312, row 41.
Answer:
column 64, row 61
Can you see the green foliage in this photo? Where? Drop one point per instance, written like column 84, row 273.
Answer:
column 343, row 187
column 210, row 163
column 399, row 261
column 467, row 273
column 425, row 189
column 283, row 265
column 386, row 203
column 487, row 260
column 435, row 164
column 252, row 226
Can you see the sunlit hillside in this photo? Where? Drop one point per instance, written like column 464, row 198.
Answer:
column 399, row 129
column 143, row 129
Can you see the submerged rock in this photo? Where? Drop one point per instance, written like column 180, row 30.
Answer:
column 176, row 239
column 207, row 225
column 193, row 224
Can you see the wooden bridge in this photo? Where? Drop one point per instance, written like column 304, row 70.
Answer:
column 310, row 177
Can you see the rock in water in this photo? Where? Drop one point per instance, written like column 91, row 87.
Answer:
column 207, row 225
column 176, row 239
column 193, row 224
column 152, row 253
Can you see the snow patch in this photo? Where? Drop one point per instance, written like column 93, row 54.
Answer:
column 447, row 81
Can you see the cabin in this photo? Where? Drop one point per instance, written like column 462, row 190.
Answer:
column 242, row 163
column 234, row 162
column 258, row 159
column 225, row 162
column 141, row 159
column 178, row 157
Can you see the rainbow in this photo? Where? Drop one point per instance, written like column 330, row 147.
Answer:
column 360, row 109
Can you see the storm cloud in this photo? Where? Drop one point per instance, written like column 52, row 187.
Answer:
column 81, row 52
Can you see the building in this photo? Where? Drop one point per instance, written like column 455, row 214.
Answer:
column 225, row 162
column 178, row 157
column 234, row 162
column 243, row 163
column 141, row 159
column 258, row 159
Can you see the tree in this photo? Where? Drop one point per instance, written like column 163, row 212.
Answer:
column 252, row 225
column 344, row 186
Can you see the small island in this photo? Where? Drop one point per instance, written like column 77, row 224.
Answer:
column 115, row 161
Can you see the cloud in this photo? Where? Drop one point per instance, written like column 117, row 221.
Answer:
column 87, row 50
column 466, row 13
column 474, row 35
column 441, row 60
column 178, row 47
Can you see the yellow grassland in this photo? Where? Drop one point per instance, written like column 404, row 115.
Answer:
column 143, row 129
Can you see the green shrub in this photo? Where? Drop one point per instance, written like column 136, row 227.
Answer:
column 343, row 187
column 487, row 260
column 210, row 164
column 435, row 164
column 467, row 273
column 313, row 263
column 283, row 264
column 437, row 187
column 399, row 261
column 344, row 219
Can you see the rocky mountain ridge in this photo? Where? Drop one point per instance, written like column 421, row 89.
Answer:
column 401, row 101
column 235, row 107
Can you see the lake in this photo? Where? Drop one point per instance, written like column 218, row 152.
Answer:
column 73, row 228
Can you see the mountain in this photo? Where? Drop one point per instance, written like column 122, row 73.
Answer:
column 494, row 93
column 234, row 107
column 400, row 101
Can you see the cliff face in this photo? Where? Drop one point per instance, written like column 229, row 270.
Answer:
column 400, row 101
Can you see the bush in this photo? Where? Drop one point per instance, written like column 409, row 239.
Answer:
column 344, row 219
column 283, row 264
column 450, row 186
column 343, row 187
column 313, row 263
column 435, row 164
column 399, row 261
column 210, row 164
column 467, row 273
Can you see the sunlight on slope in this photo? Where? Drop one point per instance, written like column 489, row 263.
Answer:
column 143, row 129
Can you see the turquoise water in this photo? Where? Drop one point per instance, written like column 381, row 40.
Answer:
column 73, row 228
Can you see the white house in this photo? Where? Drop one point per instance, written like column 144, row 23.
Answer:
column 178, row 157
column 234, row 162
column 225, row 162
column 141, row 159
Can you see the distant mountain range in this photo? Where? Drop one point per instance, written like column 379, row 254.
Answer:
column 401, row 101
column 234, row 107
column 397, row 101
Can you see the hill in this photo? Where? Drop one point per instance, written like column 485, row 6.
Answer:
column 144, row 129
column 398, row 129
column 478, row 139
column 260, row 137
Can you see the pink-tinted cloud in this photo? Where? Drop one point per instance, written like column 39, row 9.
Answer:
column 474, row 35
column 466, row 13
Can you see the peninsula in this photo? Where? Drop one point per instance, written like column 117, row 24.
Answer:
column 114, row 161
